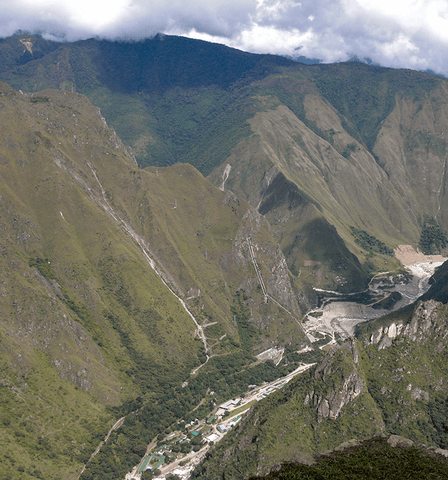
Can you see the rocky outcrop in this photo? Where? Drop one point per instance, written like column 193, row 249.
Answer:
column 339, row 371
column 424, row 318
column 330, row 405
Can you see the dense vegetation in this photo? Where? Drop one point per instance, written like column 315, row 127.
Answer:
column 370, row 243
column 14, row 54
column 434, row 238
column 226, row 376
column 173, row 99
column 365, row 100
column 373, row 459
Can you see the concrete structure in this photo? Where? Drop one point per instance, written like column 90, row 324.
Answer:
column 212, row 438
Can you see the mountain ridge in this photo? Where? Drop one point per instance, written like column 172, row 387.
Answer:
column 372, row 458
column 138, row 288
column 319, row 113
column 117, row 284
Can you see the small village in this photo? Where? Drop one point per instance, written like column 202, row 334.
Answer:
column 179, row 452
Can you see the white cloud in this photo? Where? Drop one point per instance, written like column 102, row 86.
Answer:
column 268, row 39
column 398, row 33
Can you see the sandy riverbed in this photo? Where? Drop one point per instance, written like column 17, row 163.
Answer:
column 342, row 317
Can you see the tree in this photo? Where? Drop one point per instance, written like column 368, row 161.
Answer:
column 433, row 238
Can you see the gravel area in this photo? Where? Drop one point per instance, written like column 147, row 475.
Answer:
column 342, row 317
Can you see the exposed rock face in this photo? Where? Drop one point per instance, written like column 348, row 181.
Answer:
column 397, row 441
column 332, row 405
column 346, row 390
column 423, row 319
column 294, row 423
column 419, row 394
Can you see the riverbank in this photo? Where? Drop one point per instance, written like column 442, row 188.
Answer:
column 341, row 317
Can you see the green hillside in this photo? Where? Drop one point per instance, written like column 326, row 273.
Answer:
column 363, row 145
column 117, row 283
column 147, row 264
column 166, row 96
column 390, row 380
column 375, row 458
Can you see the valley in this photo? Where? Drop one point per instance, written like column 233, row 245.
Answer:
column 184, row 225
column 338, row 314
column 332, row 323
column 207, row 431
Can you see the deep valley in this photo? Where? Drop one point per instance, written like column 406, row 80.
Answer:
column 183, row 224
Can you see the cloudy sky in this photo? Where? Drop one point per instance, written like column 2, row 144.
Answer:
column 396, row 33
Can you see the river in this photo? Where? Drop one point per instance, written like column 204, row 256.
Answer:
column 337, row 315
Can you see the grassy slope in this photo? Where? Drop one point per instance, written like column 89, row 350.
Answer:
column 419, row 108
column 85, row 320
column 79, row 312
column 337, row 191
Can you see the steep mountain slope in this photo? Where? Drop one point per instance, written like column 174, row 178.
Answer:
column 117, row 284
column 144, row 288
column 384, row 186
column 362, row 146
column 164, row 96
column 392, row 379
column 22, row 49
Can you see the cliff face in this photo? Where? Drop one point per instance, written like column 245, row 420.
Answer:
column 351, row 386
column 425, row 318
column 406, row 367
column 119, row 282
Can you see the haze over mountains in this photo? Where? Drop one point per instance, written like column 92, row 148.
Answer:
column 191, row 235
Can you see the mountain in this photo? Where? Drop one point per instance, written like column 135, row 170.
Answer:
column 390, row 380
column 359, row 148
column 119, row 286
column 23, row 49
column 146, row 265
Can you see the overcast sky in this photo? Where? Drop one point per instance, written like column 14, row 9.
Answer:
column 396, row 33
